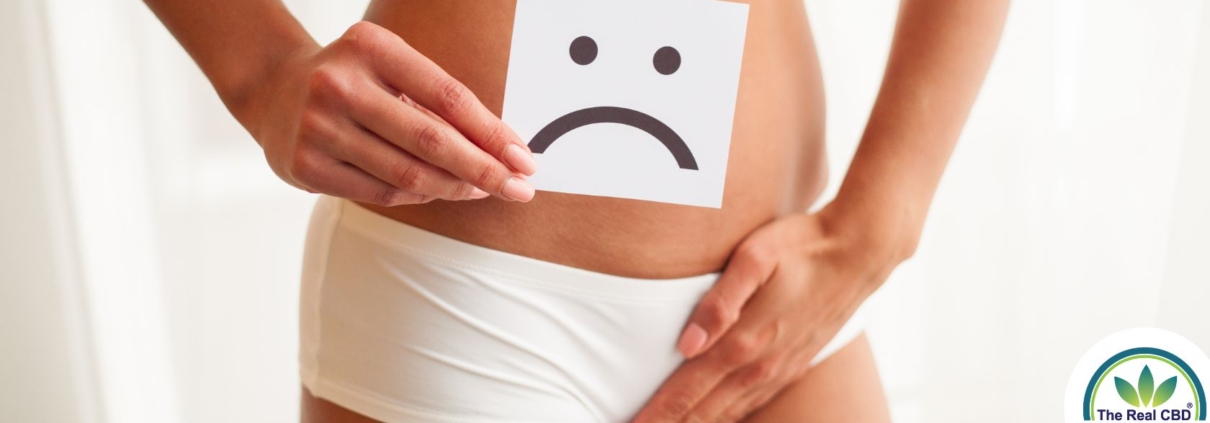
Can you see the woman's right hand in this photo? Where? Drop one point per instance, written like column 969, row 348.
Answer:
column 370, row 119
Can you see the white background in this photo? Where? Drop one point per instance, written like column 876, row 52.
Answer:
column 149, row 259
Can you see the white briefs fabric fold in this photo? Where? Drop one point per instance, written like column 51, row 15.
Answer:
column 404, row 325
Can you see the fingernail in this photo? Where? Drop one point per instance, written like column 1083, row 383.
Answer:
column 518, row 190
column 519, row 159
column 477, row 194
column 692, row 340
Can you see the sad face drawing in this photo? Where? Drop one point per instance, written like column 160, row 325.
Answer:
column 584, row 51
column 627, row 99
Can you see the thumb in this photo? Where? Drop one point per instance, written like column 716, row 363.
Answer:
column 720, row 308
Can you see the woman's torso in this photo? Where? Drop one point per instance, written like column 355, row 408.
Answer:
column 777, row 163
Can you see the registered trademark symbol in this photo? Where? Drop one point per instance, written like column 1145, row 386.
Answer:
column 1189, row 405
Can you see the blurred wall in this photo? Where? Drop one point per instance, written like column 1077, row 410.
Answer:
column 1186, row 285
column 45, row 373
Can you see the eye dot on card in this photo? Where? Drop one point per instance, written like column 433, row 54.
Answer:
column 583, row 50
column 667, row 60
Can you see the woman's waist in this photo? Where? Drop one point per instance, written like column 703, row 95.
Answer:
column 591, row 233
column 631, row 238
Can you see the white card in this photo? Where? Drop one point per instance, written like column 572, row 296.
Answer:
column 627, row 98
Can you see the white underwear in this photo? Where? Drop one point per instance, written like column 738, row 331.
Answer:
column 404, row 325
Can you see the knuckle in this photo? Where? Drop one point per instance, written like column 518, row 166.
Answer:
column 734, row 415
column 408, row 177
column 388, row 197
column 676, row 405
column 497, row 139
column 430, row 139
column 485, row 176
column 716, row 313
column 759, row 372
column 763, row 260
column 452, row 96
column 310, row 124
column 362, row 34
column 758, row 253
column 358, row 28
column 330, row 82
column 741, row 349
column 303, row 165
column 461, row 190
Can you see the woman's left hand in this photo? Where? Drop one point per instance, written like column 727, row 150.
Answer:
column 787, row 290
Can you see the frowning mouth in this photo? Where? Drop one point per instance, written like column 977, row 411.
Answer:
column 607, row 114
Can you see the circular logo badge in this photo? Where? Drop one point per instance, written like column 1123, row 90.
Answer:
column 1142, row 374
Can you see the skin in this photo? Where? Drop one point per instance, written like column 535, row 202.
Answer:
column 843, row 388
column 330, row 120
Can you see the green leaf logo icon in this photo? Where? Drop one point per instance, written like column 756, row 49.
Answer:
column 1164, row 392
column 1146, row 386
column 1147, row 394
column 1126, row 391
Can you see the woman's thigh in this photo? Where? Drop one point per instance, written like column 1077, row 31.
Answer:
column 319, row 410
column 843, row 388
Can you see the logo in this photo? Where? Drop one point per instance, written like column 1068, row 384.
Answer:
column 1140, row 374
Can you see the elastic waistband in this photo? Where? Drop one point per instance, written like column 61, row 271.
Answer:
column 446, row 251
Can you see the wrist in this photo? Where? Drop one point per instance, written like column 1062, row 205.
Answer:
column 250, row 97
column 882, row 235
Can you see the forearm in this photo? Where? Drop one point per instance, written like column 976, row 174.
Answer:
column 940, row 55
column 237, row 43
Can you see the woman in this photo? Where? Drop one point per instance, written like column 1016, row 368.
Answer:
column 444, row 289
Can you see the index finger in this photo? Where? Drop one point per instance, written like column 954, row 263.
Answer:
column 438, row 144
column 720, row 308
column 681, row 392
column 410, row 72
column 747, row 341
